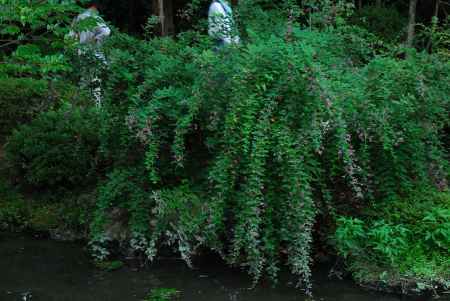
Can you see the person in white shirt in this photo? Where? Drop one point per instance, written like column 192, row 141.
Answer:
column 221, row 26
column 90, row 41
column 93, row 36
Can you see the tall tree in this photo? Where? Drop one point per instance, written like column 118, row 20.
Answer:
column 436, row 8
column 131, row 18
column 411, row 22
column 164, row 10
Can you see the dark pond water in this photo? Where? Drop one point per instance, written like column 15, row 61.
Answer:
column 32, row 269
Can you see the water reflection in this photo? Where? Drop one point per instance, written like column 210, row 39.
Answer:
column 52, row 271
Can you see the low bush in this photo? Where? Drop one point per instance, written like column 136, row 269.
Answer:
column 14, row 214
column 67, row 218
column 20, row 100
column 403, row 242
column 58, row 149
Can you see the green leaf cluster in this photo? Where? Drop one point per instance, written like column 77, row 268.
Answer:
column 58, row 149
column 162, row 294
column 404, row 238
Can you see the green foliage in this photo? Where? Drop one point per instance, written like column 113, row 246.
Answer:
column 386, row 240
column 33, row 33
column 57, row 149
column 237, row 150
column 436, row 37
column 66, row 218
column 325, row 13
column 35, row 56
column 266, row 130
column 350, row 236
column 437, row 223
column 428, row 214
column 109, row 265
column 168, row 103
column 384, row 21
column 162, row 294
column 13, row 208
column 178, row 216
column 170, row 217
column 20, row 100
column 403, row 239
column 44, row 218
column 123, row 191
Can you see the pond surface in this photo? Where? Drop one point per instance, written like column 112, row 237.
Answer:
column 36, row 269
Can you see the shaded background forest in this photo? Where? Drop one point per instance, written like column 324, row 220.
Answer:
column 132, row 15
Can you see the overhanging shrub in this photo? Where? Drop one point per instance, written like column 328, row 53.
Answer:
column 265, row 131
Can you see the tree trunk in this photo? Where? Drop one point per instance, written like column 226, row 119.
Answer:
column 360, row 4
column 378, row 3
column 164, row 10
column 436, row 8
column 131, row 17
column 411, row 22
